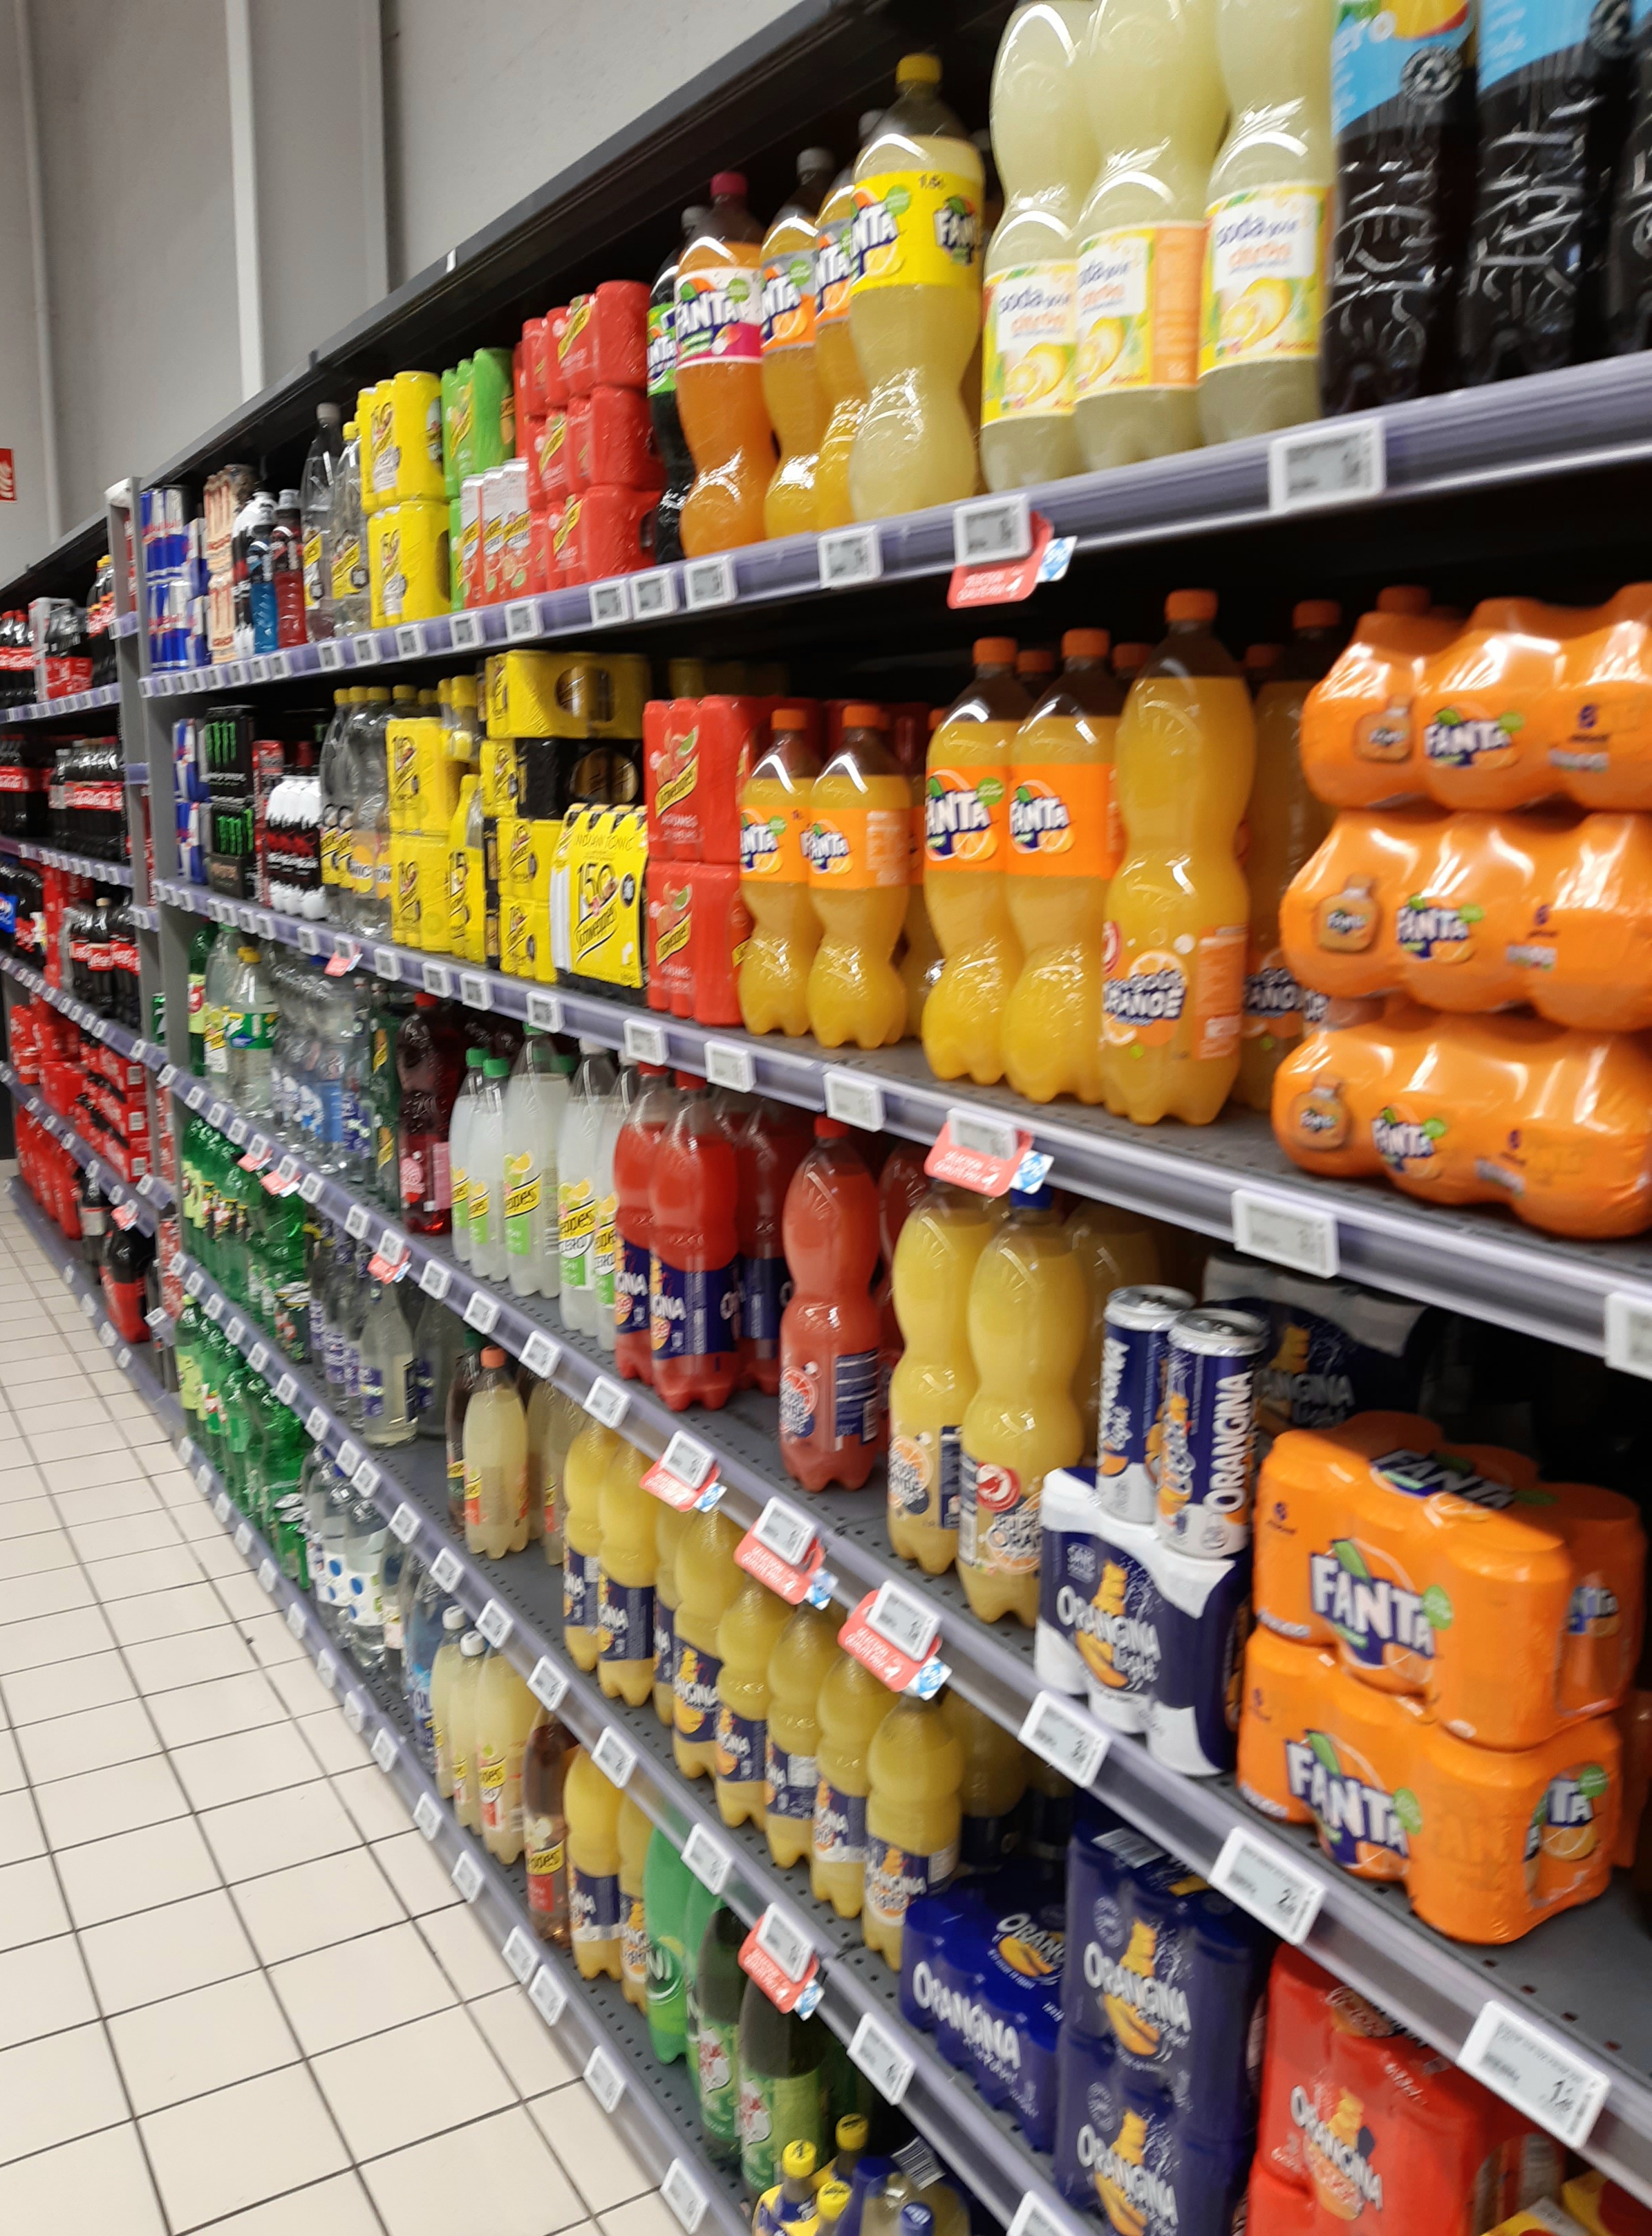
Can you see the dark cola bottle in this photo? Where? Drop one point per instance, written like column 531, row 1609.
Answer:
column 669, row 437
column 1402, row 110
column 1553, row 99
column 1628, row 255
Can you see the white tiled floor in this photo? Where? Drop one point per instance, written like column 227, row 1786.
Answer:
column 237, row 1991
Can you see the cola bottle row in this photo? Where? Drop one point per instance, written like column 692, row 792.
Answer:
column 26, row 764
column 16, row 661
column 87, row 799
column 98, row 954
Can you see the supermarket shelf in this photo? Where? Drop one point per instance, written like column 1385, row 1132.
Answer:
column 119, row 1037
column 50, row 710
column 126, row 625
column 655, row 2114
column 81, row 865
column 1483, row 1262
column 146, row 1196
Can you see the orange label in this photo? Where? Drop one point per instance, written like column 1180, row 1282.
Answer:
column 1064, row 821
column 1218, row 990
column 771, row 846
column 857, row 849
column 966, row 819
column 1143, row 1000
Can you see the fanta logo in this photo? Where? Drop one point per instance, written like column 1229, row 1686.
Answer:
column 759, row 845
column 1145, row 997
column 1402, row 1141
column 1369, row 1612
column 958, row 816
column 1568, row 1803
column 1593, row 1612
column 1420, row 1475
column 1457, row 741
column 1351, row 1813
column 875, row 227
column 828, row 851
column 1349, row 2155
column 1344, row 922
column 963, row 2015
column 1160, row 2002
column 1039, row 821
column 1423, row 925
column 1271, row 992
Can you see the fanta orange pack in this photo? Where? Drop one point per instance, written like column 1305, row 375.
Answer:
column 1479, row 911
column 1511, row 1606
column 1500, row 1109
column 1362, row 2123
column 1488, row 1841
column 1356, row 740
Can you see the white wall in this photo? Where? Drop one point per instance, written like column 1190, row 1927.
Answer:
column 24, row 527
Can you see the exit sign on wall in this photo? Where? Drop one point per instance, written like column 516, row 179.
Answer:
column 8, row 479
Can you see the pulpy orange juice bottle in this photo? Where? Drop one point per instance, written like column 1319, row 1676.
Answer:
column 1065, row 841
column 1356, row 733
column 706, row 1580
column 935, row 1258
column 1177, row 908
column 791, row 388
column 746, row 1637
column 856, row 845
column 775, row 805
column 843, row 384
column 914, row 1816
column 966, row 855
column 802, row 1655
column 719, row 374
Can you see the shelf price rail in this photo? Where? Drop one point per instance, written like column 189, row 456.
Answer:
column 144, row 1200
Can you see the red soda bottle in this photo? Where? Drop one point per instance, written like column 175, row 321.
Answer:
column 770, row 1144
column 694, row 1262
column 635, row 1149
column 830, row 1425
column 429, row 1062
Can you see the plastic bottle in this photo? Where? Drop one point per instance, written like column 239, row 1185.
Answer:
column 604, row 1243
column 746, row 1638
column 1046, row 157
column 1027, row 1313
column 1264, row 299
column 625, row 1514
column 782, row 2093
column 553, row 1420
column 590, row 1455
column 1286, row 824
column 388, row 1381
column 200, row 948
column 443, row 1669
column 915, row 1769
column 635, row 1149
column 460, row 1128
column 719, row 1987
column 706, row 1581
column 592, row 1807
column 669, row 440
column 853, row 1704
column 694, row 1272
column 462, row 1725
column 315, row 503
column 1629, row 257
column 935, row 1260
column 991, row 1788
column 830, row 1419
column 576, row 1184
column 965, row 859
column 505, row 1713
column 804, row 1651
column 665, row 1883
column 775, row 809
column 249, row 1033
column 902, row 1184
column 1178, row 906
column 1115, row 1250
column 791, row 391
column 467, row 1373
column 352, row 601
column 915, row 303
column 485, row 1163
column 837, row 368
column 634, row 1832
column 670, row 1528
column 550, row 1749
column 496, row 1461
column 857, row 849
column 719, row 374
column 770, row 1144
column 920, row 963
column 1157, row 104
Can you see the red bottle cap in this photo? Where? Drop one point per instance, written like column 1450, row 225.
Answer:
column 728, row 185
column 1190, row 606
column 829, row 1129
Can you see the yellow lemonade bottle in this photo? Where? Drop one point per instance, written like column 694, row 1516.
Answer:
column 592, row 1807
column 914, row 1815
column 790, row 383
column 916, row 302
column 806, row 1648
column 843, row 384
column 706, row 1581
column 1065, row 841
column 670, row 1528
column 496, row 1461
column 1178, row 908
column 505, row 1713
column 856, row 844
column 633, row 1832
column 746, row 1637
column 852, row 1705
column 1115, row 1250
column 625, row 1514
column 444, row 1670
column 461, row 1727
column 775, row 808
column 1286, row 825
column 553, row 1420
column 965, row 856
column 590, row 1455
column 935, row 1259
column 990, row 1790
column 1026, row 1329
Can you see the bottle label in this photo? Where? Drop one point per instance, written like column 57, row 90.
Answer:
column 249, row 1028
column 1272, row 999
column 1418, row 58
column 896, row 1877
column 834, row 270
column 799, row 1403
column 998, row 1518
column 789, row 1781
column 521, row 1203
column 740, row 1746
column 923, row 1475
column 577, row 1226
column 718, row 2054
column 856, row 1397
column 633, row 1943
column 1030, row 342
column 349, row 574
column 1138, row 308
column 626, row 1618
column 694, row 1701
column 772, row 845
column 965, row 819
column 581, row 1590
column 1146, row 1000
column 857, row 850
column 917, row 229
column 719, row 318
column 776, row 2110
column 765, row 1290
column 1264, row 278
column 665, row 1643
column 631, row 1308
column 604, row 1250
column 314, row 587
column 547, row 1859
column 789, row 301
column 662, row 350
column 594, row 1906
column 1064, row 820
column 691, row 1314
column 493, row 1789
column 1516, row 34
column 840, row 1825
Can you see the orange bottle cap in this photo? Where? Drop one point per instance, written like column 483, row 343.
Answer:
column 1403, row 598
column 1084, row 644
column 1190, row 606
column 1316, row 612
column 789, row 718
column 863, row 716
column 994, row 652
column 493, row 1356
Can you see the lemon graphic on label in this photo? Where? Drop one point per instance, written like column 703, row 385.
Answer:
column 1259, row 311
column 1037, row 377
column 1099, row 350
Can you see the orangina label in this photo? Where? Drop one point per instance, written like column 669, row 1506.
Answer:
column 857, row 849
column 965, row 819
column 1063, row 820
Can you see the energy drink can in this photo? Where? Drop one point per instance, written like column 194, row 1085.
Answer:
column 1206, row 1459
column 1135, row 1347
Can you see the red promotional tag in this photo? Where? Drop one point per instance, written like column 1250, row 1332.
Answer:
column 782, row 1552
column 976, row 1151
column 1004, row 582
column 775, row 1954
column 685, row 1476
column 893, row 1636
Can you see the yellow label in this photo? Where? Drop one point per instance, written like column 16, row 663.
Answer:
column 492, row 1773
column 522, row 1199
column 1030, row 340
column 542, row 1862
column 473, row 1492
column 1138, row 308
column 1264, row 277
column 917, row 229
column 349, row 574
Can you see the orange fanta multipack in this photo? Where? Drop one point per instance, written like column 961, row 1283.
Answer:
column 1356, row 721
column 1481, row 911
column 1512, row 1109
column 1511, row 1606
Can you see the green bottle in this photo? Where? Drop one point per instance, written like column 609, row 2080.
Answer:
column 187, row 1348
column 390, row 1012
column 719, row 1987
column 199, row 948
column 697, row 1911
column 285, row 1277
column 236, row 1190
column 665, row 1883
column 782, row 2087
column 239, row 1427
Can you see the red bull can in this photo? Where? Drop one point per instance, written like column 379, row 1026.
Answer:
column 1136, row 1324
column 1207, row 1433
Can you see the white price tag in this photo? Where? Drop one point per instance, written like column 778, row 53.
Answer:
column 708, row 583
column 195, row 1095
column 521, row 1955
column 234, row 1329
column 992, row 529
column 216, row 1116
column 709, row 1860
column 365, row 1477
column 684, row 2195
column 467, row 1875
column 521, row 619
column 787, row 1534
column 645, row 1041
column 1329, row 461
column 356, row 1221
column 610, row 603
column 614, row 1757
column 244, row 1539
column 903, row 1621
column 308, row 940
column 266, row 1573
column 237, row 1131
column 285, row 1389
column 187, row 1451
column 387, row 964
column 985, row 1135
column 1033, row 2218
column 728, row 1064
column 123, row 1358
column 1067, row 1740
column 604, row 2079
column 548, row 1684
column 438, row 980
column 1539, row 2075
column 355, row 1712
column 654, row 594
column 607, row 1401
column 310, row 1188
column 854, row 1100
column 783, row 1939
column 482, row 1312
column 850, row 556
column 445, row 1569
column 331, row 655
column 495, row 1624
column 327, row 1670
column 1262, row 1878
column 214, row 1308
column 405, row 1524
column 474, row 991
column 547, row 1996
column 410, row 641
column 315, row 1425
column 385, row 1749
column 259, row 1358
column 427, row 1815
column 436, row 1280
column 540, row 1354
column 88, row 1306
column 266, row 924
column 1300, row 1235
column 1629, row 1332
column 545, row 1012
column 689, row 1460
column 465, row 632
column 106, row 1336
column 296, row 1618
column 882, row 2059
column 221, row 1506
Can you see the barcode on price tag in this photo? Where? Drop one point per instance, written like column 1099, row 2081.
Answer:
column 384, row 1749
column 1068, row 1742
column 684, row 2195
column 708, row 583
column 1301, row 1236
column 854, row 1100
column 904, row 1621
column 495, row 1624
column 436, row 1278
column 482, row 1312
column 1334, row 461
column 604, row 2079
column 645, row 1040
column 607, row 1400
column 610, row 603
column 654, row 594
column 614, row 1757
column 521, row 1955
column 540, row 1354
column 728, row 1064
column 1539, row 2075
column 992, row 529
column 355, row 1711
column 548, row 1684
column 466, row 1875
column 1261, row 1878
column 784, row 1940
column 445, row 1569
column 545, row 1012
column 849, row 555
column 709, row 1860
column 882, row 2059
column 427, row 1815
column 266, row 1575
column 474, row 991
column 356, row 1220
column 547, row 1996
column 405, row 1524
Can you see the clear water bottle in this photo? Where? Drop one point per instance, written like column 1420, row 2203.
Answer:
column 389, row 1381
column 366, row 1536
column 249, row 1033
column 437, row 1341
column 356, row 1090
column 315, row 509
column 330, row 1522
column 351, row 604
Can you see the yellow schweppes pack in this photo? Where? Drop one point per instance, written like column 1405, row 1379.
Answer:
column 596, row 900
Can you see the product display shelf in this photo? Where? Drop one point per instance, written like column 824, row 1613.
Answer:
column 157, row 1196
column 76, row 702
column 119, row 1037
column 80, row 866
column 654, row 2109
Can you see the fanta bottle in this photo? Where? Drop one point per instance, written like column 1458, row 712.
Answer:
column 916, row 306
column 853, row 1704
column 694, row 1270
column 634, row 1832
column 719, row 374
column 626, row 1513
column 1027, row 1318
column 1356, row 729
column 930, row 1390
column 830, row 1422
column 837, row 368
column 770, row 1143
column 1115, row 1250
column 920, row 963
column 1286, row 824
column 790, row 386
column 746, row 1637
column 671, row 1527
column 965, row 859
column 915, row 1769
column 856, row 845
column 1177, row 908
column 592, row 1806
column 775, row 803
column 1065, row 841
column 635, row 1148
column 590, row 1455
column 805, row 1650
column 991, row 1787
column 706, row 1581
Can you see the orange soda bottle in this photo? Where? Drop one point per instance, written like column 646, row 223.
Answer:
column 1065, row 841
column 1285, row 824
column 719, row 374
column 1177, row 908
column 842, row 383
column 775, row 805
column 830, row 1417
column 935, row 1260
column 966, row 854
column 920, row 963
column 1356, row 731
column 856, row 845
column 791, row 388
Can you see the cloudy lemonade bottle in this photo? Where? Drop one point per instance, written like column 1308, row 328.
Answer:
column 856, row 845
column 775, row 805
column 1178, row 908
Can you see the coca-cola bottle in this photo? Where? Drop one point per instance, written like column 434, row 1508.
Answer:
column 94, row 1219
column 126, row 1262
